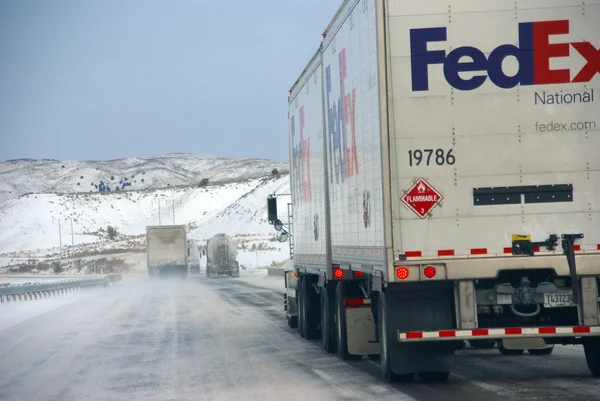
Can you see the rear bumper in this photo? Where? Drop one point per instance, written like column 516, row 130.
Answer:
column 223, row 269
column 498, row 333
column 167, row 270
column 488, row 266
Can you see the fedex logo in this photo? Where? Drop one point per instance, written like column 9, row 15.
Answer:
column 301, row 160
column 341, row 116
column 533, row 54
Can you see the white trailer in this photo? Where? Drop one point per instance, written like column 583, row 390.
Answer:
column 445, row 181
column 166, row 250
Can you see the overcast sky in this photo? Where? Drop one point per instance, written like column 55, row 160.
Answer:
column 104, row 79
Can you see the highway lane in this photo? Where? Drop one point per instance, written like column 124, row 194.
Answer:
column 227, row 339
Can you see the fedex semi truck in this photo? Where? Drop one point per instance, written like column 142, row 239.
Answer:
column 445, row 180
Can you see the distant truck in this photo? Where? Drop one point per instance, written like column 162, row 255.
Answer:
column 221, row 254
column 166, row 251
column 193, row 256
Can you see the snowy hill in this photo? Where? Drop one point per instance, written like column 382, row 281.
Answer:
column 23, row 176
column 29, row 224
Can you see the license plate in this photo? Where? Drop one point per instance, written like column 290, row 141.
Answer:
column 558, row 299
column 504, row 299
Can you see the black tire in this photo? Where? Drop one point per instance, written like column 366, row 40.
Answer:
column 543, row 351
column 311, row 310
column 510, row 352
column 293, row 322
column 385, row 340
column 434, row 377
column 482, row 344
column 340, row 327
column 592, row 355
column 301, row 310
column 328, row 333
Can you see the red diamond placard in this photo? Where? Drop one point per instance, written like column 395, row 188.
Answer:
column 421, row 198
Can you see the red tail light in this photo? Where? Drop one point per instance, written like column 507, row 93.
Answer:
column 338, row 273
column 402, row 273
column 358, row 274
column 429, row 272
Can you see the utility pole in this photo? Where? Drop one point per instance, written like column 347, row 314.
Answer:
column 59, row 238
column 158, row 199
column 72, row 236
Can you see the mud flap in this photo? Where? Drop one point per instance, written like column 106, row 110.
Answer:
column 360, row 327
column 421, row 306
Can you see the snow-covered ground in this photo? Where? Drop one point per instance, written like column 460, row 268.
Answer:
column 33, row 226
column 15, row 312
column 260, row 278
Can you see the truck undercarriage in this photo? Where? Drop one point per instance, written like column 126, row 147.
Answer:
column 416, row 326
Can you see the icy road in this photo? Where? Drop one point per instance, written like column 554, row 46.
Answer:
column 227, row 339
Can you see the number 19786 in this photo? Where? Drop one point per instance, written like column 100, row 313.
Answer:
column 430, row 156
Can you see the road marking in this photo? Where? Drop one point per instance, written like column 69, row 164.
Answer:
column 19, row 341
column 323, row 375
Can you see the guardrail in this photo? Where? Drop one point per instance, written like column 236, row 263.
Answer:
column 114, row 277
column 44, row 290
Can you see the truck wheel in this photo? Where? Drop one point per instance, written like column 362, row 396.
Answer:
column 482, row 344
column 385, row 342
column 543, row 351
column 311, row 318
column 505, row 351
column 301, row 311
column 328, row 333
column 592, row 355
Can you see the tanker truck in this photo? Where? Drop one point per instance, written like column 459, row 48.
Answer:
column 221, row 254
column 166, row 251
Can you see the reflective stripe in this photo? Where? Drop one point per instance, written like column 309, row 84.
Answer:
column 571, row 331
column 357, row 302
column 490, row 252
